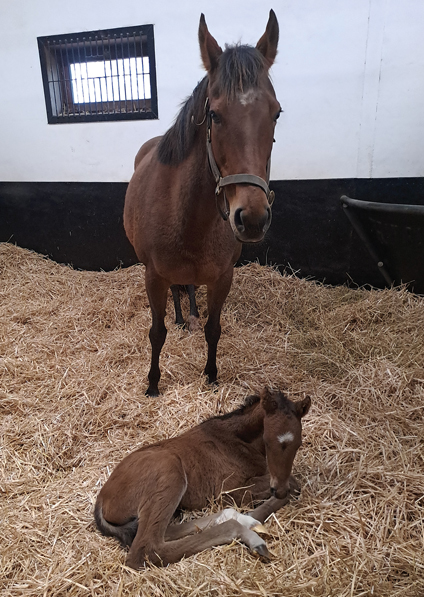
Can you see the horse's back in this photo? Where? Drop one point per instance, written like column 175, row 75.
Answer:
column 145, row 149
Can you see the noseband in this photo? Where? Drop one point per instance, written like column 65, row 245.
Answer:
column 221, row 182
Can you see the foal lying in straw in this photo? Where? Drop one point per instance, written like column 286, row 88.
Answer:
column 247, row 453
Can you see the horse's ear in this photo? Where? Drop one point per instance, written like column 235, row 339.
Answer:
column 302, row 407
column 209, row 48
column 268, row 43
column 268, row 401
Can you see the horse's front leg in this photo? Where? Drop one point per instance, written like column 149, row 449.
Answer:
column 216, row 298
column 157, row 292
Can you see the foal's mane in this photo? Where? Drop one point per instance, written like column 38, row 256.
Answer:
column 239, row 70
column 249, row 401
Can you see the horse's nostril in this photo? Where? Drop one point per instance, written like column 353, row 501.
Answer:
column 238, row 219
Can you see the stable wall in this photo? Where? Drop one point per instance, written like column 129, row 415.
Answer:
column 348, row 76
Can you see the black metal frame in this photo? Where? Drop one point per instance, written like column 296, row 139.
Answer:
column 393, row 235
column 58, row 52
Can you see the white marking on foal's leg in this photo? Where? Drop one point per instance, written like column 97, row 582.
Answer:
column 286, row 437
column 230, row 514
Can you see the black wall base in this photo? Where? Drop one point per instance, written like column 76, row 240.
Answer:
column 81, row 224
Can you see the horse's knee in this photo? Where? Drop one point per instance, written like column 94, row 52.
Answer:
column 212, row 332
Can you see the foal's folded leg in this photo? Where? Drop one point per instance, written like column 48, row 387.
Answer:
column 168, row 552
column 179, row 530
column 272, row 504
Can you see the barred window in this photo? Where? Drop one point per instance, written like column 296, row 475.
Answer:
column 99, row 75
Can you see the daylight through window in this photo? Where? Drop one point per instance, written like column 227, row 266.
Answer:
column 99, row 75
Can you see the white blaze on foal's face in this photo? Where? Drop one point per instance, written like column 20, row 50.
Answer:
column 286, row 438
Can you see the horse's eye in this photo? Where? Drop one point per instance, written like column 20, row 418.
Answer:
column 215, row 117
column 277, row 116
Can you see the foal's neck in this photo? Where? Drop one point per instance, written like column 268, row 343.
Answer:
column 251, row 425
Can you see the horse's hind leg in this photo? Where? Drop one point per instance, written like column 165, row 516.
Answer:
column 179, row 320
column 157, row 291
column 216, row 298
column 193, row 320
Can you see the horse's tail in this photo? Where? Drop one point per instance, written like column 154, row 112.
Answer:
column 125, row 533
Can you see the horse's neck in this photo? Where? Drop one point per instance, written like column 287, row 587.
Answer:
column 198, row 188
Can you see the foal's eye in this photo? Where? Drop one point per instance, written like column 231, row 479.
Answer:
column 215, row 117
column 277, row 116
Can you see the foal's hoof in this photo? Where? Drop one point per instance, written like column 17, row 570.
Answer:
column 263, row 552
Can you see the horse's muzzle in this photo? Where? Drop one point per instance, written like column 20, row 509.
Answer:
column 248, row 229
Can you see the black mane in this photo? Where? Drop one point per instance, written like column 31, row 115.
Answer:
column 239, row 70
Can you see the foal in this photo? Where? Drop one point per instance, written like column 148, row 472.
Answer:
column 247, row 454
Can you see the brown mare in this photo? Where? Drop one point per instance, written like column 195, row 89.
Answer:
column 247, row 453
column 201, row 190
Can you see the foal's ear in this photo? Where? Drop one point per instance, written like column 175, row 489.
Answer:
column 209, row 48
column 302, row 408
column 268, row 43
column 268, row 401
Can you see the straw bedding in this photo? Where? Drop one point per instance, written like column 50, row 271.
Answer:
column 73, row 364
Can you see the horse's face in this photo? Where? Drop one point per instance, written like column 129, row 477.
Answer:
column 243, row 111
column 242, row 134
column 282, row 437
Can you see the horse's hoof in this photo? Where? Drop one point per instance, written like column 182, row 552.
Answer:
column 152, row 392
column 193, row 323
column 211, row 378
column 263, row 552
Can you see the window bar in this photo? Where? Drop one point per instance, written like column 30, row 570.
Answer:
column 97, row 80
column 123, row 72
column 136, row 104
column 75, row 105
column 102, row 92
column 117, row 74
column 152, row 72
column 80, row 62
column 105, row 101
column 93, row 104
column 87, row 104
column 64, row 95
column 52, row 82
column 142, row 71
column 132, row 61
column 111, row 72
column 57, row 83
column 131, row 98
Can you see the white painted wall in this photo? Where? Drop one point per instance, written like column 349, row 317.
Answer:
column 349, row 75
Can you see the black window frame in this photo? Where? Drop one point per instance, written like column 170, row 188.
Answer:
column 58, row 52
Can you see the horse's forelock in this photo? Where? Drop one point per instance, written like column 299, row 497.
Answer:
column 239, row 70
